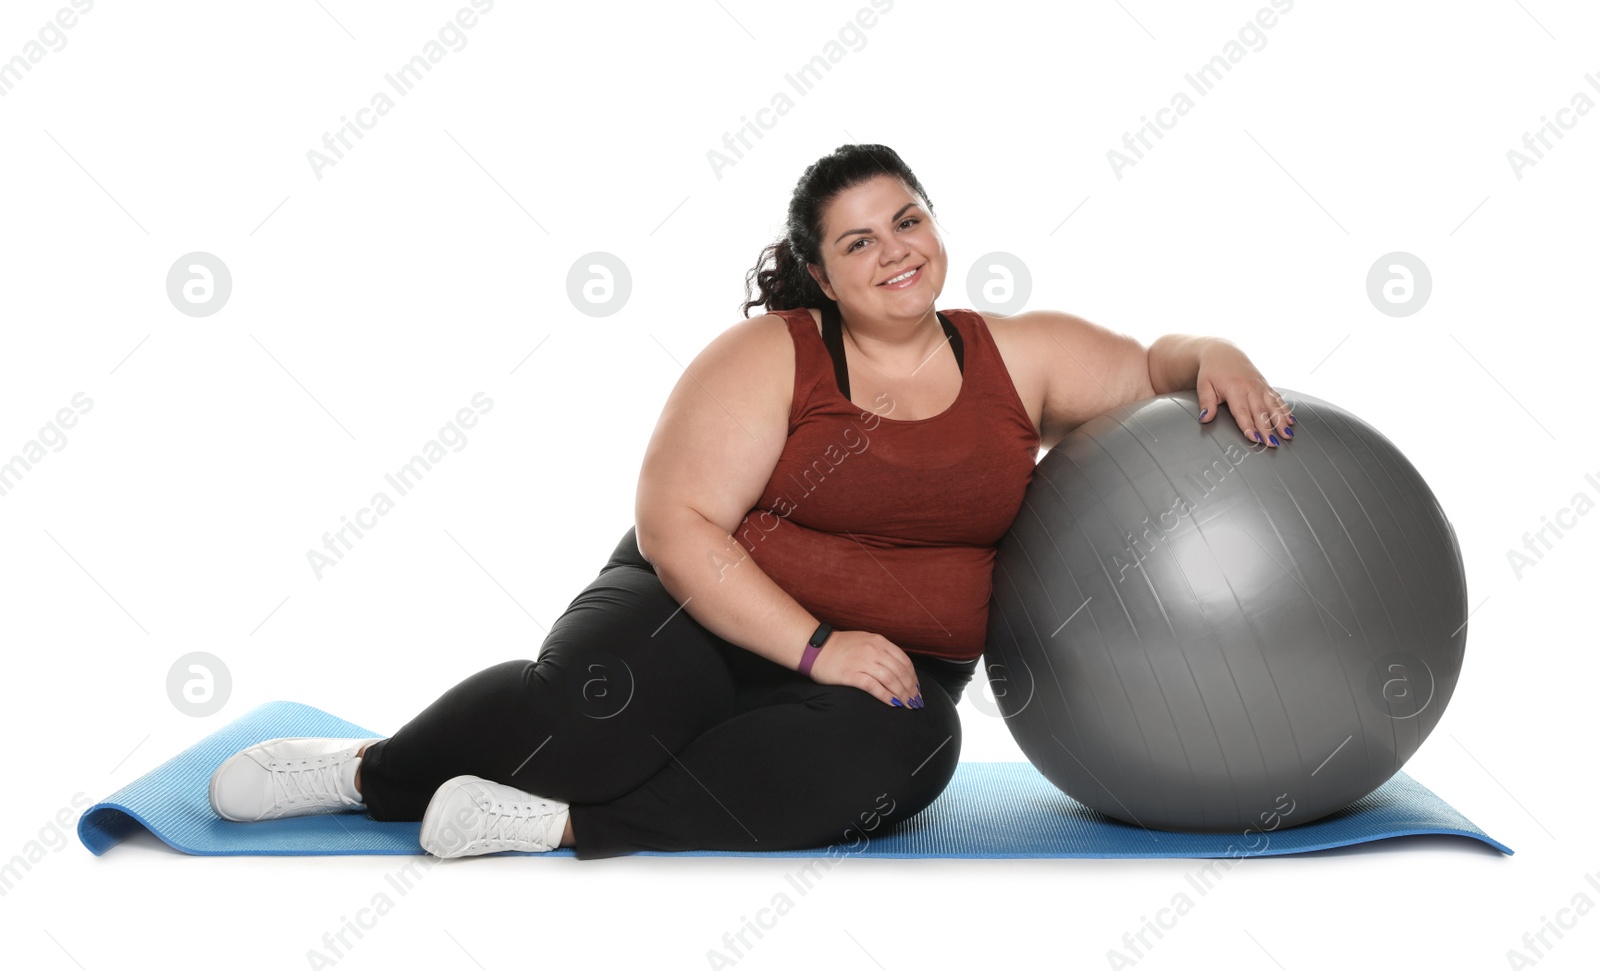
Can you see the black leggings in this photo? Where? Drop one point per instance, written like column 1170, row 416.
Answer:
column 662, row 736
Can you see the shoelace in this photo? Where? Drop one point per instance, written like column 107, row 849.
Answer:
column 320, row 782
column 517, row 822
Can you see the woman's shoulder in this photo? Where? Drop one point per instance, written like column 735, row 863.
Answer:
column 1005, row 331
column 779, row 320
column 1021, row 330
column 1017, row 340
column 802, row 315
column 763, row 344
column 761, row 333
column 986, row 321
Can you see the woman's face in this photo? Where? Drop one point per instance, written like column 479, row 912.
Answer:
column 872, row 233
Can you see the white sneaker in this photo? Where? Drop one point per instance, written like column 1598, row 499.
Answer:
column 288, row 777
column 469, row 816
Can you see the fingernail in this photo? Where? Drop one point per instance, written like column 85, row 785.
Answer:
column 896, row 702
column 1274, row 439
column 1257, row 435
column 1288, row 433
column 1291, row 418
column 917, row 701
column 1203, row 412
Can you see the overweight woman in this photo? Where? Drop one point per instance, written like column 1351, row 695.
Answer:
column 772, row 656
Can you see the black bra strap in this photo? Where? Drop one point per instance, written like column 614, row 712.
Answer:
column 833, row 339
column 955, row 341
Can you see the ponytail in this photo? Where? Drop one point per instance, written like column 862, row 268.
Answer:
column 786, row 285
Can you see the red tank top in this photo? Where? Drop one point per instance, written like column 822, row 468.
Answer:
column 879, row 524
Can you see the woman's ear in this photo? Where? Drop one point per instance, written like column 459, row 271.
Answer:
column 821, row 277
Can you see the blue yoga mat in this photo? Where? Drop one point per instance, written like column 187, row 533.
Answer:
column 990, row 810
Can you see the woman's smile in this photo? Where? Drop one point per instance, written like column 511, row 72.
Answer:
column 902, row 284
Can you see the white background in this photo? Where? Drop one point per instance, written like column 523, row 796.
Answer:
column 372, row 303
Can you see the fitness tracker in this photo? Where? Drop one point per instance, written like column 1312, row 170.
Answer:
column 814, row 647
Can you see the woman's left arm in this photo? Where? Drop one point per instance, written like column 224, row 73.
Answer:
column 1085, row 369
column 1220, row 373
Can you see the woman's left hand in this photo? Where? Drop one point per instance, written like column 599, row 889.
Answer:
column 1227, row 376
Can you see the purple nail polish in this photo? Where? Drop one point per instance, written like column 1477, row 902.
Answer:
column 1274, row 439
column 1203, row 412
column 896, row 702
column 1288, row 433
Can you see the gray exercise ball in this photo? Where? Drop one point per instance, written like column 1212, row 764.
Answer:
column 1191, row 631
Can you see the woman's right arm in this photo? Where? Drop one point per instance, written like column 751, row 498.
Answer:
column 720, row 435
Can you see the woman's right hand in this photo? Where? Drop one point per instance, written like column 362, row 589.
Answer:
column 871, row 662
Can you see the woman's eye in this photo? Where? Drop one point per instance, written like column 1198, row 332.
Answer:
column 909, row 219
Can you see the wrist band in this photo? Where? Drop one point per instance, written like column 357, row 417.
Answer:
column 814, row 647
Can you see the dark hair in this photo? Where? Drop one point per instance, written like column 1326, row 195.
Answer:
column 787, row 284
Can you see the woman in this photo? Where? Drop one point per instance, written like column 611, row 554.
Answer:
column 772, row 657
